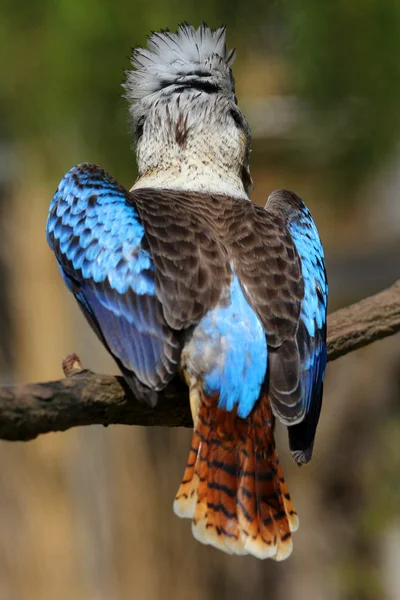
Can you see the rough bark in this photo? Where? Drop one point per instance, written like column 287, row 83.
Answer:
column 85, row 398
column 360, row 324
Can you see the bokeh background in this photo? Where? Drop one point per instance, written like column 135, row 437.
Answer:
column 87, row 514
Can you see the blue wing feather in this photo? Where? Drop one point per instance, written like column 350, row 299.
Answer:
column 311, row 335
column 99, row 241
column 314, row 304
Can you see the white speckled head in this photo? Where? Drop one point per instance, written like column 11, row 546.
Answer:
column 189, row 132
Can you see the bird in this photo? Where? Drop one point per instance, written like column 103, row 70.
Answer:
column 184, row 276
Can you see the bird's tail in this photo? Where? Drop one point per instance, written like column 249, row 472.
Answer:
column 233, row 488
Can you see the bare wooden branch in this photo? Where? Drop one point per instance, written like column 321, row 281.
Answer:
column 360, row 324
column 84, row 398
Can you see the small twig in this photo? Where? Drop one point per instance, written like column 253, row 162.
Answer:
column 84, row 398
column 71, row 365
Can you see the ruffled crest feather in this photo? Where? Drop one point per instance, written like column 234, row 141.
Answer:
column 172, row 58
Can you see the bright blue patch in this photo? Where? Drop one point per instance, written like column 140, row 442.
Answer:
column 309, row 247
column 233, row 337
column 99, row 232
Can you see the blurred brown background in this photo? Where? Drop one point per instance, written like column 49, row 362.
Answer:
column 87, row 514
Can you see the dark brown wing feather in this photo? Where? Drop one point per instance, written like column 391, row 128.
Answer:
column 269, row 268
column 191, row 260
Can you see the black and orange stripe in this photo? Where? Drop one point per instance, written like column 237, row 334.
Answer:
column 233, row 488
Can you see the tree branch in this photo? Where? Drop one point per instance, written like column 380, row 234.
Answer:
column 84, row 398
column 367, row 321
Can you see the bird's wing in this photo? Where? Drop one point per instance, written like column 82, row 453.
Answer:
column 99, row 240
column 278, row 258
column 309, row 345
column 269, row 268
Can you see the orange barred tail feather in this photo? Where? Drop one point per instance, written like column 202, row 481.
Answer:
column 233, row 488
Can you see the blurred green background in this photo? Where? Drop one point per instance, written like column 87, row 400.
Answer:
column 87, row 514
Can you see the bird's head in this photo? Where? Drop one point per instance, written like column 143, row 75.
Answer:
column 188, row 130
